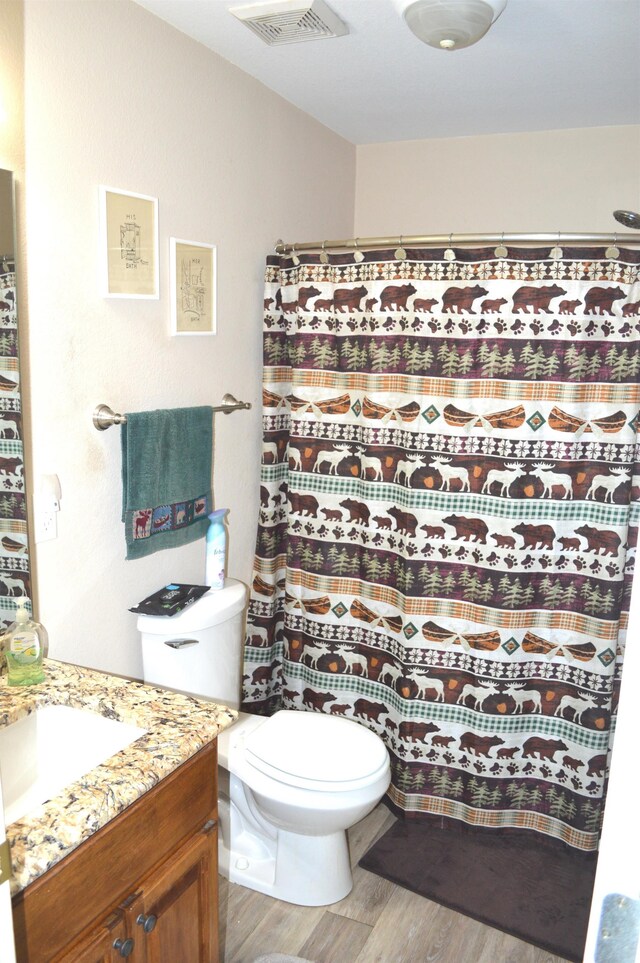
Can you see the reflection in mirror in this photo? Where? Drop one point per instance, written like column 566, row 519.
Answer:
column 14, row 548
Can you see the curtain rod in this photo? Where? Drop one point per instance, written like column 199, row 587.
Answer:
column 413, row 240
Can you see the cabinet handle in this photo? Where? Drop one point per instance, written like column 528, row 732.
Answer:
column 124, row 947
column 147, row 922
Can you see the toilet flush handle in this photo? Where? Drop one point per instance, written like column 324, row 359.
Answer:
column 180, row 643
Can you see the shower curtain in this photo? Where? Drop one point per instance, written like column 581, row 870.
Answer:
column 444, row 548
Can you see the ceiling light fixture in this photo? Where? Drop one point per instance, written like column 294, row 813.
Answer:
column 452, row 24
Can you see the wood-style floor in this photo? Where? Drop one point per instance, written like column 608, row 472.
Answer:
column 378, row 922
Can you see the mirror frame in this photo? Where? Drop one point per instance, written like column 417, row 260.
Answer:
column 15, row 567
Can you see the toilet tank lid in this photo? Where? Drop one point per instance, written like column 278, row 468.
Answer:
column 211, row 609
column 315, row 746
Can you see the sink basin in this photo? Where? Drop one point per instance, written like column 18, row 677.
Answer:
column 42, row 753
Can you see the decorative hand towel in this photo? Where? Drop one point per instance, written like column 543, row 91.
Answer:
column 166, row 478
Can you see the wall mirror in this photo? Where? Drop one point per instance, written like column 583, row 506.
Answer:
column 15, row 575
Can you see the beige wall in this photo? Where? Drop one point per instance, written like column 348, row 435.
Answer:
column 115, row 96
column 11, row 86
column 533, row 182
column 12, row 128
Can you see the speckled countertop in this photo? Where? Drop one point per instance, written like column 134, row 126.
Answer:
column 177, row 727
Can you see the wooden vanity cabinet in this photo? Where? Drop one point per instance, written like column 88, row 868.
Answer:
column 143, row 888
column 179, row 892
column 102, row 945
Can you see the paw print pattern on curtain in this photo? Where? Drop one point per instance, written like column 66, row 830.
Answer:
column 448, row 519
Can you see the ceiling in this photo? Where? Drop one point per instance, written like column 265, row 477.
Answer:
column 544, row 65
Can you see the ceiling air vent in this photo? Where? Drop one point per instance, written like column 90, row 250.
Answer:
column 291, row 21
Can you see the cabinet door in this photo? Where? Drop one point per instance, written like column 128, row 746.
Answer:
column 179, row 916
column 107, row 943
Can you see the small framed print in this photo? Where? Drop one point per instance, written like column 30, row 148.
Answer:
column 193, row 287
column 129, row 241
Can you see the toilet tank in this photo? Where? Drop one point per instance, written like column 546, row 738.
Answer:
column 199, row 650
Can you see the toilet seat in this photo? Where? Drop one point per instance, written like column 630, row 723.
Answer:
column 316, row 752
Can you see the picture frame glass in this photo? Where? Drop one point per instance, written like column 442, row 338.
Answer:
column 130, row 239
column 193, row 271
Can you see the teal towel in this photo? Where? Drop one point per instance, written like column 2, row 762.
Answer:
column 166, row 478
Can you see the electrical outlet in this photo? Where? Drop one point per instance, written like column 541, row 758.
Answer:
column 46, row 526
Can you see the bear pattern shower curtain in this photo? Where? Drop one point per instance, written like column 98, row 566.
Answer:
column 444, row 548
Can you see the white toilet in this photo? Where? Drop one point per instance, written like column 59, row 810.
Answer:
column 289, row 785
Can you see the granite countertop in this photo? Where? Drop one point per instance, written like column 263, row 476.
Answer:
column 177, row 727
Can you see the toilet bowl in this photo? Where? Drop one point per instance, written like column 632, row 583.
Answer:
column 290, row 785
column 297, row 782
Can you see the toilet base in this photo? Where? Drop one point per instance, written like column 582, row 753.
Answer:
column 308, row 870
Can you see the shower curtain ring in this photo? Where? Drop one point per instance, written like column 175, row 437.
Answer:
column 613, row 251
column 556, row 252
column 400, row 252
column 450, row 254
column 358, row 255
column 501, row 250
column 324, row 257
column 294, row 256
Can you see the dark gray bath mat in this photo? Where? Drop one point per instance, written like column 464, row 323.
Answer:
column 532, row 888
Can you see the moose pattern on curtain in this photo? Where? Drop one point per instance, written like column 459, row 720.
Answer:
column 444, row 548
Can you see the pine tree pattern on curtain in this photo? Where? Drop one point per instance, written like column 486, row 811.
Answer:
column 444, row 548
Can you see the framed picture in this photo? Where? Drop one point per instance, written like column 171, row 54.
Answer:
column 129, row 244
column 193, row 287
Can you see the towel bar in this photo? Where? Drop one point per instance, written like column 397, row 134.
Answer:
column 104, row 417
